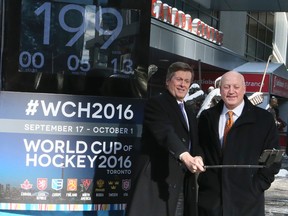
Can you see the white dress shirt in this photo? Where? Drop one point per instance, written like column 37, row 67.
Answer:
column 224, row 116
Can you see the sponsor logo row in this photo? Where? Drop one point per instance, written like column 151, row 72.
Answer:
column 72, row 184
column 57, row 184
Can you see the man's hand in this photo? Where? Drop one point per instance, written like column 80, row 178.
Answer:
column 194, row 164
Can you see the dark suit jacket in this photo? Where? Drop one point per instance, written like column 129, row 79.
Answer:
column 239, row 190
column 161, row 175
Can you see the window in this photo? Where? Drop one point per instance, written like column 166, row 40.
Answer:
column 259, row 32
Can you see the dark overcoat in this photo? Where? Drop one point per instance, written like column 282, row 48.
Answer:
column 161, row 175
column 239, row 190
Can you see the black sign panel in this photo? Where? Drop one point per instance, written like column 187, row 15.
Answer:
column 74, row 46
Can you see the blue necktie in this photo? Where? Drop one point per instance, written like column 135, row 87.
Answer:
column 186, row 119
column 184, row 113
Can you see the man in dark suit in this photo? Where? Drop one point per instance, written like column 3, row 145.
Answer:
column 166, row 183
column 235, row 191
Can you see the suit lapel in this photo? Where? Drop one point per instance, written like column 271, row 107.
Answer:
column 215, row 119
column 177, row 110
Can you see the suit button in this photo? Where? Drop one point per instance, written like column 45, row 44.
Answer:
column 173, row 186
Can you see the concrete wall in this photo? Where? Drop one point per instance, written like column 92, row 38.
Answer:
column 233, row 25
column 280, row 37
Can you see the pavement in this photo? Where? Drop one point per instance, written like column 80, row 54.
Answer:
column 276, row 197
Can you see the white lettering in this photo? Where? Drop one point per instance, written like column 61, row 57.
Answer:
column 63, row 109
column 85, row 110
column 60, row 161
column 48, row 128
column 105, row 148
column 60, row 153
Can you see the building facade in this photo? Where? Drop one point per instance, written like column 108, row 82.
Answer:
column 254, row 43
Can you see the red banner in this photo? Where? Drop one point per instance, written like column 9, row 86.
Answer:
column 252, row 81
column 279, row 86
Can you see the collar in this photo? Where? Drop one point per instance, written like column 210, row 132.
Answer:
column 237, row 111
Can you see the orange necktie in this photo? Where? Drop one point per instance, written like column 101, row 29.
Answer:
column 228, row 124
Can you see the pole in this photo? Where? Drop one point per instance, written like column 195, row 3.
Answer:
column 267, row 158
column 234, row 166
column 200, row 73
column 267, row 64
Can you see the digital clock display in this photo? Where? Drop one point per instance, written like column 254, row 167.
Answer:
column 61, row 37
column 75, row 46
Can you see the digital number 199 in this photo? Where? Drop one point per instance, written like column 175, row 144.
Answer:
column 80, row 30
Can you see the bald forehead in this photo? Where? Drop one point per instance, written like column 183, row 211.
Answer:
column 232, row 76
